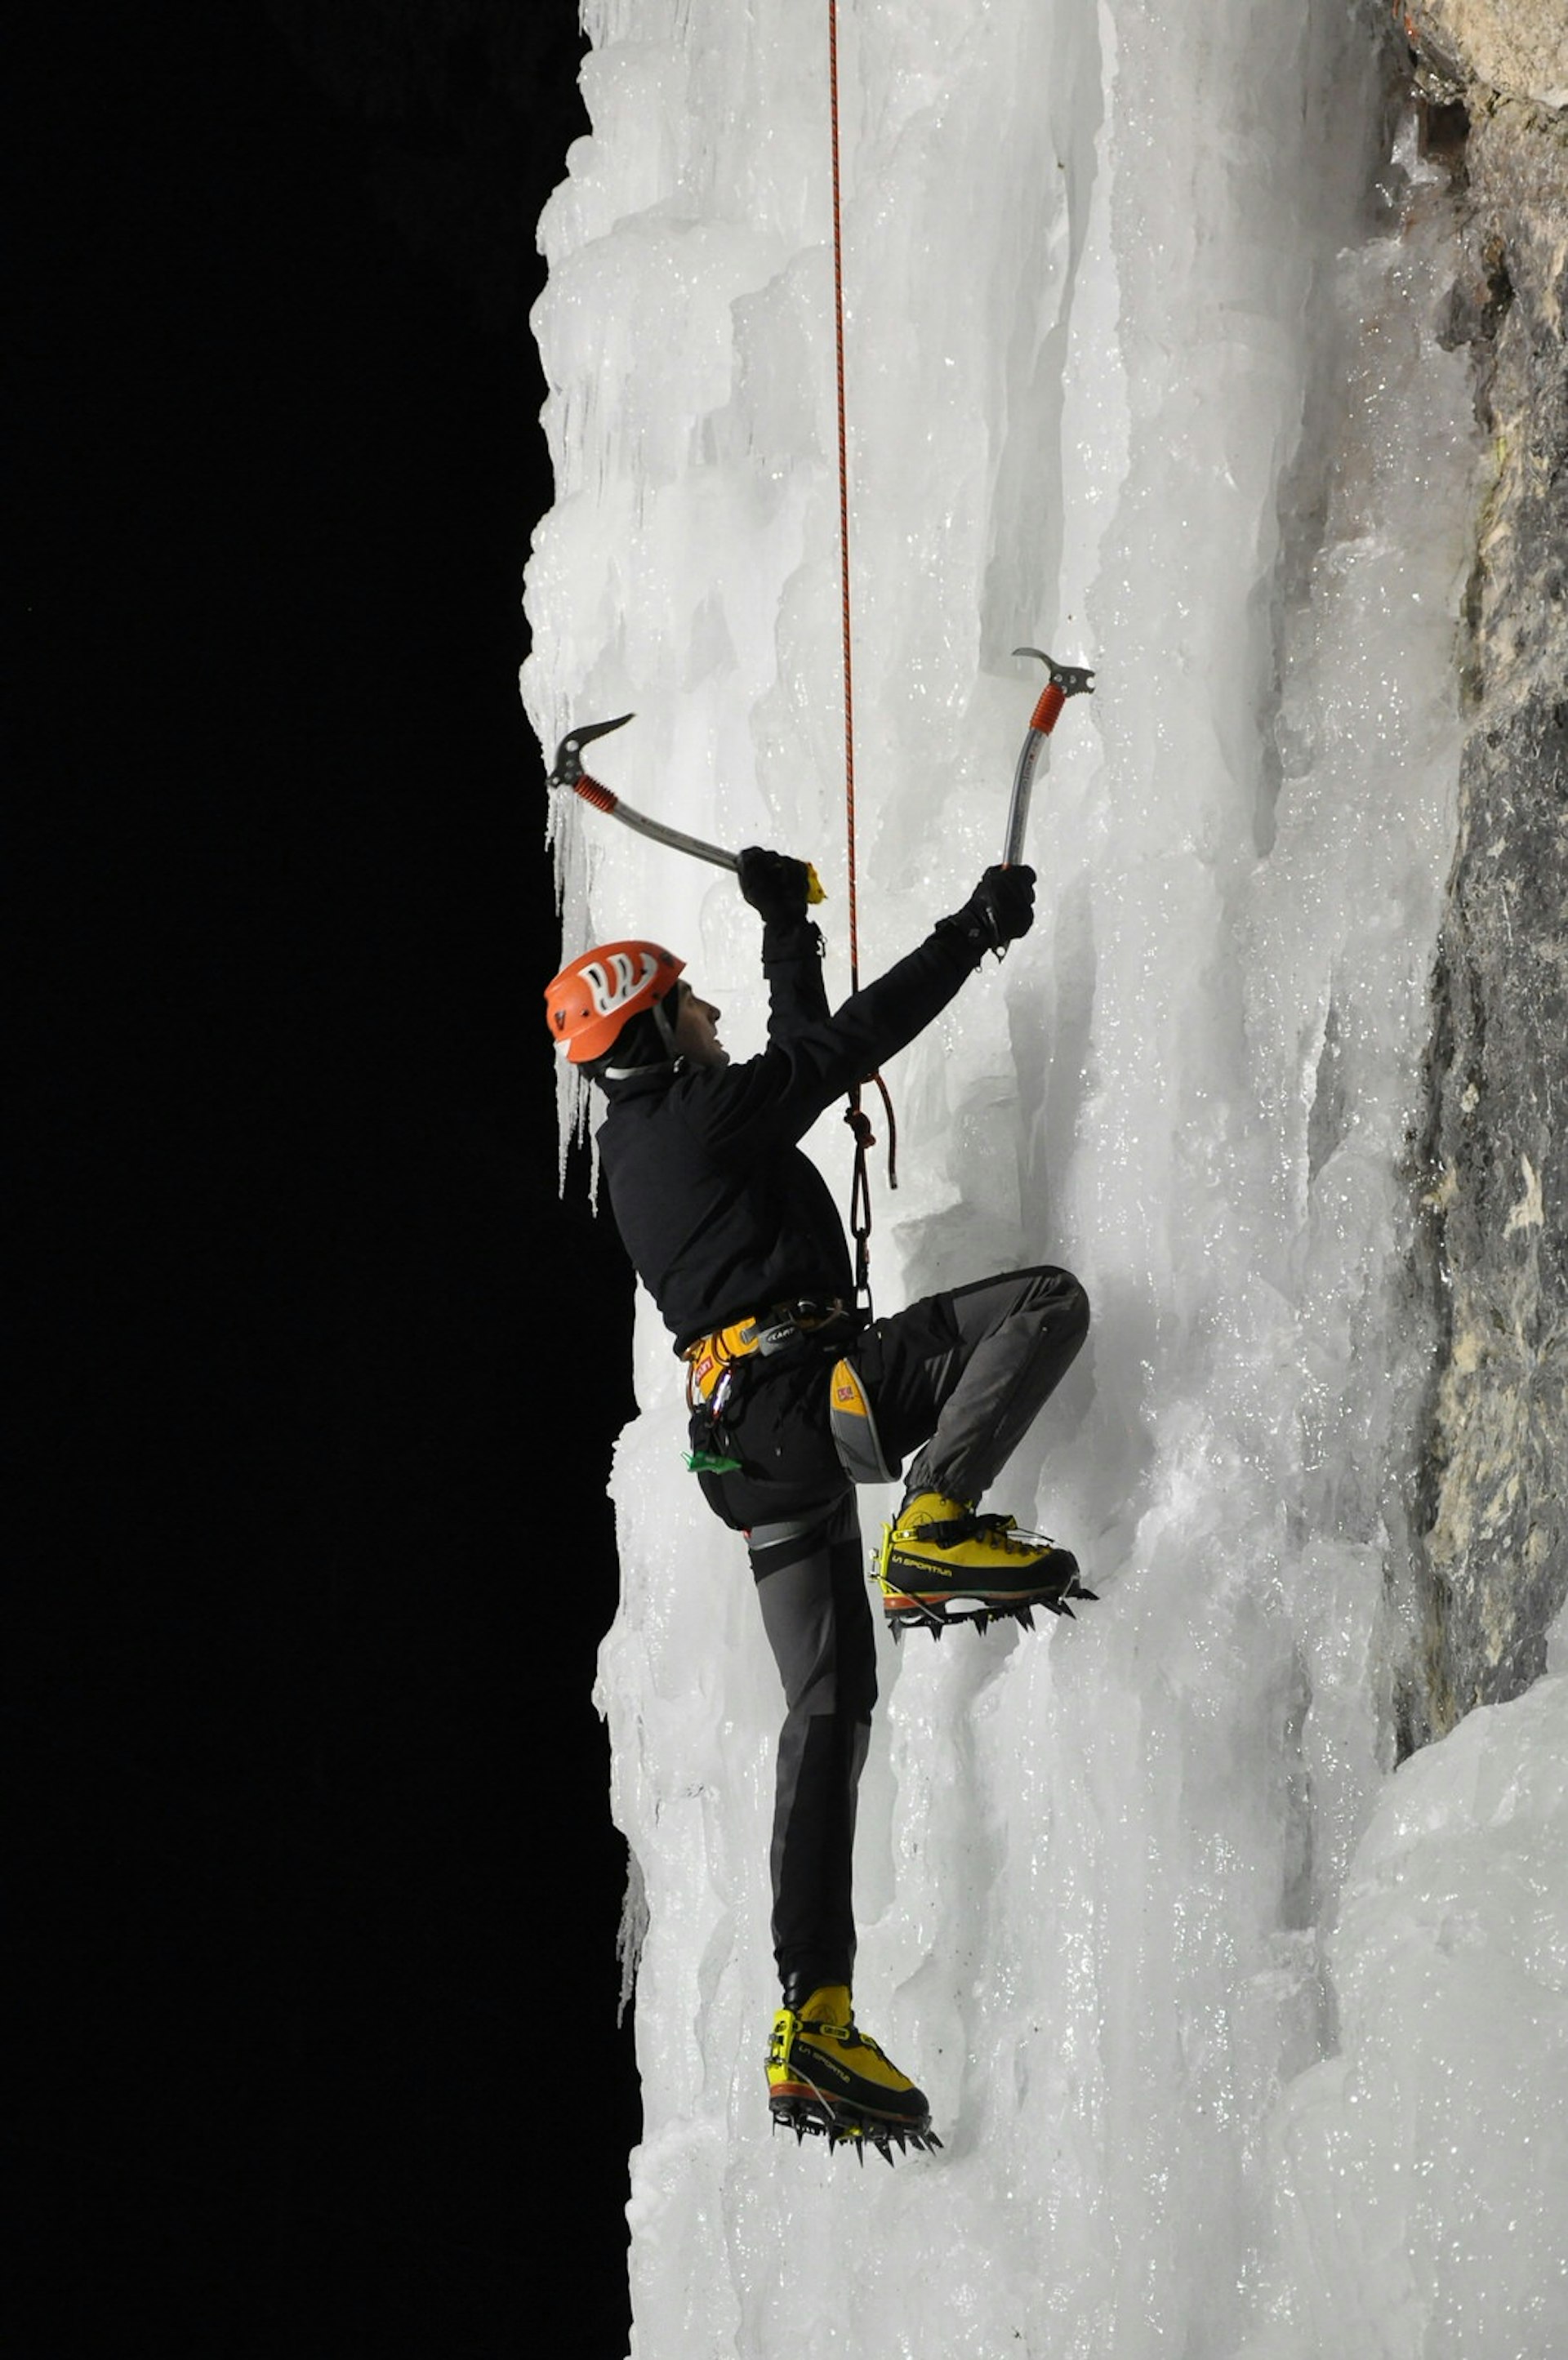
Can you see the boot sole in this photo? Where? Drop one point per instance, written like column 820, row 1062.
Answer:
column 911, row 1610
column 977, row 1598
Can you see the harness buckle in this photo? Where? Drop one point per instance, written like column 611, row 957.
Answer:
column 710, row 1360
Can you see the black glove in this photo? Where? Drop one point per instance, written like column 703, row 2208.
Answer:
column 774, row 885
column 999, row 909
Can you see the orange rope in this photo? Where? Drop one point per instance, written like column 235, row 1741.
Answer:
column 843, row 497
column 858, row 1122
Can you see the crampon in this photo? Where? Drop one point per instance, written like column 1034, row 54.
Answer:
column 902, row 1612
column 840, row 2126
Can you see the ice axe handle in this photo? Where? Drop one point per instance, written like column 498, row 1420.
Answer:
column 604, row 799
column 1065, row 681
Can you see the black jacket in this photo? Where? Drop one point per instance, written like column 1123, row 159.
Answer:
column 721, row 1211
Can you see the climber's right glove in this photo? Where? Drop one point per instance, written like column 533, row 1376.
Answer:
column 999, row 911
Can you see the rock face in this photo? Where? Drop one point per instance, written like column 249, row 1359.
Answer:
column 1508, row 49
column 1492, row 1509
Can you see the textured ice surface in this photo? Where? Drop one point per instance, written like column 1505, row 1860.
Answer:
column 1421, row 2170
column 1140, row 369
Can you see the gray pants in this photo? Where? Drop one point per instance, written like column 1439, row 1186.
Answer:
column 958, row 1379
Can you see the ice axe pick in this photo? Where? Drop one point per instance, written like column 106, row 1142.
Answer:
column 1066, row 680
column 569, row 772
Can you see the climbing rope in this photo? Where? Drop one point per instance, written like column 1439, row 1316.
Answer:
column 843, row 495
column 857, row 1118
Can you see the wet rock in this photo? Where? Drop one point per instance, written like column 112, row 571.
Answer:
column 1518, row 48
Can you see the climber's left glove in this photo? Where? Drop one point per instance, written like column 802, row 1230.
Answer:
column 776, row 886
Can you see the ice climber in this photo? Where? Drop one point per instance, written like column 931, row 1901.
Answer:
column 795, row 1397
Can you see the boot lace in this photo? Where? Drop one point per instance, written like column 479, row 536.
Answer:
column 1001, row 1532
column 848, row 2032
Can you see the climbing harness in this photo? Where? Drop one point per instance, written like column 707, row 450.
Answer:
column 710, row 1358
column 715, row 1361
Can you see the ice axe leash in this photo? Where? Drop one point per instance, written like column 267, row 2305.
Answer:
column 569, row 772
column 1066, row 680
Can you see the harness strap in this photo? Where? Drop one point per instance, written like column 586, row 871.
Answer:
column 711, row 1358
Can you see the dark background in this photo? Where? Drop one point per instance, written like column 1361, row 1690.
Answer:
column 320, row 1890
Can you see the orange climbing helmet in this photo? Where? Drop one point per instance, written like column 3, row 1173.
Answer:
column 587, row 1002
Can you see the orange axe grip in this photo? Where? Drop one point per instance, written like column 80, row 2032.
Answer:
column 1043, row 716
column 592, row 792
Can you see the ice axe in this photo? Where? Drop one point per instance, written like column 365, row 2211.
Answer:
column 1066, row 680
column 569, row 772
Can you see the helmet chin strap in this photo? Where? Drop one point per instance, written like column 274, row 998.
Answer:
column 667, row 1031
column 661, row 1018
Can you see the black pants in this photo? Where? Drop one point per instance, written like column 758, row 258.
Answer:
column 957, row 1380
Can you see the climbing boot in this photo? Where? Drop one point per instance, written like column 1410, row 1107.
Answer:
column 941, row 1563
column 825, row 2076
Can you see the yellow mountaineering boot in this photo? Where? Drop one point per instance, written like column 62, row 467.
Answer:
column 826, row 2075
column 941, row 1563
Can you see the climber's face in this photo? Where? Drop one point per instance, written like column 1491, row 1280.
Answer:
column 696, row 1030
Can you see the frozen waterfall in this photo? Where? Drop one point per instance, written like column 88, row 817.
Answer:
column 1239, row 2044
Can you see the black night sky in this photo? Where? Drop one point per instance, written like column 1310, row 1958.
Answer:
column 320, row 1890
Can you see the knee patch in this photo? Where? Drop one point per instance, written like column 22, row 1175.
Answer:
column 852, row 1422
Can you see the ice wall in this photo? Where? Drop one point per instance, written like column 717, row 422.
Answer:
column 1141, row 370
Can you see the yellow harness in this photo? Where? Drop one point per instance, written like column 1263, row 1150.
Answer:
column 710, row 1358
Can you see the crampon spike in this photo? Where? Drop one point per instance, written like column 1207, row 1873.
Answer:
column 801, row 2117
